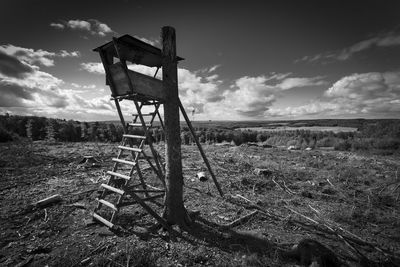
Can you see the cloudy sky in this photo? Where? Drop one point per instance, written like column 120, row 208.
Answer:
column 244, row 60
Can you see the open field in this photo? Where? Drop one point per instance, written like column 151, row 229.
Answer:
column 302, row 194
column 334, row 129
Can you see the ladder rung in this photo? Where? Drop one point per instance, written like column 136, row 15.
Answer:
column 145, row 114
column 139, row 124
column 108, row 204
column 134, row 136
column 124, row 161
column 115, row 190
column 102, row 220
column 130, row 148
column 126, row 177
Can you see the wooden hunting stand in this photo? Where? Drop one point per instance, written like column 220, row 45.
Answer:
column 130, row 181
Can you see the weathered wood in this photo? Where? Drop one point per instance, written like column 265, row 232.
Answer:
column 108, row 204
column 127, row 162
column 113, row 189
column 134, row 136
column 142, row 84
column 203, row 155
column 102, row 220
column 123, row 176
column 134, row 50
column 175, row 212
column 48, row 200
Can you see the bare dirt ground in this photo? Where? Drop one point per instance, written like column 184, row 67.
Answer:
column 347, row 201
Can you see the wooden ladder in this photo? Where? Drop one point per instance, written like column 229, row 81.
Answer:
column 122, row 185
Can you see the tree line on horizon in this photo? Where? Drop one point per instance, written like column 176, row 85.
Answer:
column 381, row 135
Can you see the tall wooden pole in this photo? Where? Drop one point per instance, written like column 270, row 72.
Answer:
column 175, row 212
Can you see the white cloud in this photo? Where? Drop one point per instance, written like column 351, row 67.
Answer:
column 93, row 67
column 92, row 26
column 90, row 86
column 359, row 95
column 79, row 24
column 290, row 83
column 213, row 68
column 248, row 97
column 64, row 53
column 40, row 56
column 57, row 25
column 385, row 40
column 40, row 93
column 251, row 96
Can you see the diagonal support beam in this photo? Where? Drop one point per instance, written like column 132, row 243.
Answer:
column 203, row 155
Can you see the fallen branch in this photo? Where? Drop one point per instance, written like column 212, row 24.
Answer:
column 345, row 239
column 278, row 184
column 287, row 188
column 314, row 209
column 45, row 215
column 322, row 227
column 240, row 220
column 330, row 230
column 47, row 201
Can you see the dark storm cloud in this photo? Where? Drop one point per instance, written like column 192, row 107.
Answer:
column 12, row 67
column 12, row 95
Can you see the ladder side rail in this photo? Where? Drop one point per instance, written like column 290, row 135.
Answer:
column 124, row 187
column 114, row 169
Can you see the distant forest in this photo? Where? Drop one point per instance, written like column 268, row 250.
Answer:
column 379, row 135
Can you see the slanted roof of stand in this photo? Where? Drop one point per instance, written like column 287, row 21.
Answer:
column 135, row 51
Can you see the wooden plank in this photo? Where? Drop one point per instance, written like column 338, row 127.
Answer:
column 134, row 50
column 124, row 162
column 126, row 177
column 142, row 84
column 139, row 124
column 113, row 189
column 108, row 204
column 134, row 136
column 134, row 149
column 102, row 220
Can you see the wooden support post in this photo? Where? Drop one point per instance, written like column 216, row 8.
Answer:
column 175, row 212
column 203, row 155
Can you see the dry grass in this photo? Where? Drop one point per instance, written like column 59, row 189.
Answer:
column 359, row 193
